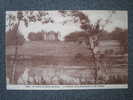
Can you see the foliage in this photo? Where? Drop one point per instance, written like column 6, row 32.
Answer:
column 11, row 37
column 89, row 30
column 35, row 36
column 122, row 36
column 76, row 36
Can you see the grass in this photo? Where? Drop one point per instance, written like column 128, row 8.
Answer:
column 61, row 55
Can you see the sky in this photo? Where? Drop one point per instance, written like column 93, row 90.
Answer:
column 117, row 19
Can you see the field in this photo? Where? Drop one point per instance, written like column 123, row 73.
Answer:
column 45, row 63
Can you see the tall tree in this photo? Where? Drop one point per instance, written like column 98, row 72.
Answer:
column 16, row 43
column 88, row 35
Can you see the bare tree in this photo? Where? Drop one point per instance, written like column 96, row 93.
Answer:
column 89, row 34
column 19, row 17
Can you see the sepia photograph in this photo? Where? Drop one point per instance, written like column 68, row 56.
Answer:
column 66, row 49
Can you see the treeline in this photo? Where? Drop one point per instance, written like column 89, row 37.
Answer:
column 119, row 34
column 116, row 34
column 13, row 36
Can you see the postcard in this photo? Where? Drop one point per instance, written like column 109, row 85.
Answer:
column 66, row 49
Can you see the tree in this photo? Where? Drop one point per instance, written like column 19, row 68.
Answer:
column 11, row 37
column 14, row 38
column 88, row 35
column 78, row 36
column 122, row 36
column 124, row 41
column 32, row 36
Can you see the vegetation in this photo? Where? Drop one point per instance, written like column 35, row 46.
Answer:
column 11, row 37
column 35, row 36
column 89, row 36
column 122, row 36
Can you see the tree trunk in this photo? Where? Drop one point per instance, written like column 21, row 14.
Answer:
column 15, row 57
column 93, row 59
column 91, row 47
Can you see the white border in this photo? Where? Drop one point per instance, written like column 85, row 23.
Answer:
column 65, row 87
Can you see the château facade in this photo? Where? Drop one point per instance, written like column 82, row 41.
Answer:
column 53, row 36
column 44, row 36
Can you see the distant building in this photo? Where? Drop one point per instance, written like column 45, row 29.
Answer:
column 43, row 36
column 51, row 35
